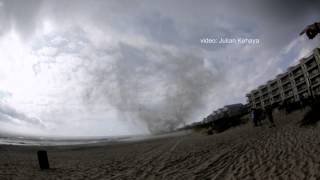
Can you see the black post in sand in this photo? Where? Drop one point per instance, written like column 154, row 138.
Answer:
column 43, row 160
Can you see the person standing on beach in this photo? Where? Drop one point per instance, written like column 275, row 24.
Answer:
column 254, row 116
column 269, row 110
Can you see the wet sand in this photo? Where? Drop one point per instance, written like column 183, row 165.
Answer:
column 284, row 152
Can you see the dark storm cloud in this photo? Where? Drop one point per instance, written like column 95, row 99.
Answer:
column 173, row 22
column 160, row 28
column 289, row 10
column 183, row 24
column 281, row 21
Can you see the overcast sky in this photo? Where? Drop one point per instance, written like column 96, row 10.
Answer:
column 114, row 67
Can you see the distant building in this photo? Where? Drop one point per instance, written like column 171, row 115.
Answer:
column 299, row 82
column 233, row 109
column 226, row 111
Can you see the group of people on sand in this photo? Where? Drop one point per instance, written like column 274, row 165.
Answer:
column 257, row 115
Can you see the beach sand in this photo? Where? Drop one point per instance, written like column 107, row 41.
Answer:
column 284, row 152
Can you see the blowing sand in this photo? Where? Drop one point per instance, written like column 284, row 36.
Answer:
column 284, row 152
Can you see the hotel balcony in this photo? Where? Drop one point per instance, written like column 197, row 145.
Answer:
column 265, row 97
column 298, row 75
column 315, row 81
column 277, row 98
column 263, row 89
column 300, row 80
column 285, row 80
column 266, row 103
column 256, row 94
column 264, row 93
column 311, row 64
column 302, row 88
column 287, row 87
column 309, row 61
column 290, row 99
column 314, row 73
column 316, row 90
column 275, row 92
column 298, row 72
column 272, row 88
column 257, row 98
column 258, row 105
column 273, row 84
column 254, row 103
column 304, row 95
column 288, row 94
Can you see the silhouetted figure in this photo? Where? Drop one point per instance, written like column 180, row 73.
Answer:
column 43, row 159
column 270, row 116
column 312, row 30
column 311, row 118
column 254, row 116
column 210, row 131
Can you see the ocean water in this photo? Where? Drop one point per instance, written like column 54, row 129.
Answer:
column 66, row 141
column 40, row 141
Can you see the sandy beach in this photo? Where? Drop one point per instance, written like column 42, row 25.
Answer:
column 284, row 152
